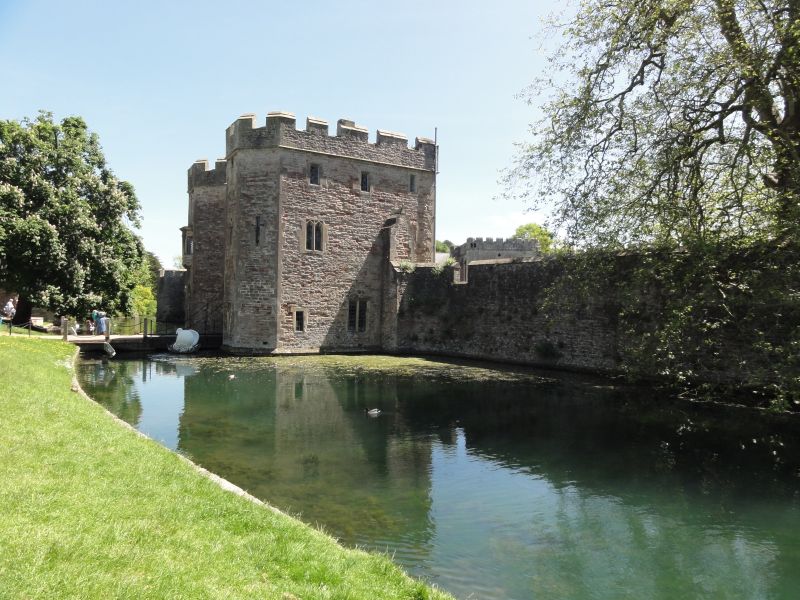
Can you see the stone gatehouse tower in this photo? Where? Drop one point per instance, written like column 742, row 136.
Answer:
column 289, row 238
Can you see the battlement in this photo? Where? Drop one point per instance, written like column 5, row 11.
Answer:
column 351, row 140
column 500, row 244
column 200, row 175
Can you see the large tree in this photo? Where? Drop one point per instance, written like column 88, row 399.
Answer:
column 671, row 121
column 65, row 220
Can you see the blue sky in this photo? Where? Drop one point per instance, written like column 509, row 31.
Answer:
column 160, row 81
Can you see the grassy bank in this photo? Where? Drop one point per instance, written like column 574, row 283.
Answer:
column 90, row 509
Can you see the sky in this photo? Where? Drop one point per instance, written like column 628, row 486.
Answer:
column 159, row 82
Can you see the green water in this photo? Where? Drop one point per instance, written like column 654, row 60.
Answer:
column 489, row 483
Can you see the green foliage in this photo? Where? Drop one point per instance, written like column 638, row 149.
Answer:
column 65, row 241
column 534, row 231
column 673, row 131
column 143, row 301
column 406, row 266
column 672, row 122
column 445, row 246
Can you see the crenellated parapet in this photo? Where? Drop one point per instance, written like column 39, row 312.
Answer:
column 201, row 175
column 350, row 140
column 501, row 244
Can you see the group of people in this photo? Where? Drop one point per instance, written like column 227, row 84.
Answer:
column 98, row 323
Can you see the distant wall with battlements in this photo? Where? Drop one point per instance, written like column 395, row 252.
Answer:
column 476, row 249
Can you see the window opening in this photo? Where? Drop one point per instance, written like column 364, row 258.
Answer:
column 300, row 320
column 310, row 235
column 364, row 181
column 357, row 316
column 315, row 236
column 351, row 316
column 313, row 175
column 318, row 237
column 258, row 230
column 412, row 183
column 362, row 315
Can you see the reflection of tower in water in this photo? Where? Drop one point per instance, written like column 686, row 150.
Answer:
column 300, row 440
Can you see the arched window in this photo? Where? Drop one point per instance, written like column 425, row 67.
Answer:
column 315, row 236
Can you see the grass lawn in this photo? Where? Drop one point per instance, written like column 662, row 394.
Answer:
column 90, row 509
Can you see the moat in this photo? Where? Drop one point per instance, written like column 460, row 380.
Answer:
column 490, row 483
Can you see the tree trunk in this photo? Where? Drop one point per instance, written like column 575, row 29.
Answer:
column 24, row 309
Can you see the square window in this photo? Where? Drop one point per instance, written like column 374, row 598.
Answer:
column 364, row 181
column 412, row 183
column 299, row 320
column 313, row 175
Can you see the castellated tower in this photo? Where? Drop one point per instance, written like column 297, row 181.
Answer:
column 309, row 224
column 203, row 247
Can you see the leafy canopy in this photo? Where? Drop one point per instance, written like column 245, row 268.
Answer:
column 673, row 121
column 534, row 231
column 65, row 236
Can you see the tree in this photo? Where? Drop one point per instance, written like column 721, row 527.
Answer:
column 65, row 236
column 676, row 121
column 445, row 246
column 534, row 231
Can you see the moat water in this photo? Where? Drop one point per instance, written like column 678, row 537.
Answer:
column 490, row 483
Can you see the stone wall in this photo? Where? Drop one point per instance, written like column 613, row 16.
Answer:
column 204, row 284
column 498, row 315
column 170, row 296
column 489, row 249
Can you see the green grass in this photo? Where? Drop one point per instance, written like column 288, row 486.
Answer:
column 19, row 331
column 89, row 509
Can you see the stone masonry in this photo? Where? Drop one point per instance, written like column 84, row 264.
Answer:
column 203, row 241
column 290, row 236
column 490, row 249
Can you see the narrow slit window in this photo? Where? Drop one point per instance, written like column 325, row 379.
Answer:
column 364, row 181
column 362, row 315
column 258, row 230
column 318, row 237
column 412, row 183
column 300, row 320
column 351, row 316
column 310, row 235
column 313, row 175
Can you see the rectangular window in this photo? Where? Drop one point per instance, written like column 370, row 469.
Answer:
column 313, row 175
column 357, row 316
column 258, row 230
column 364, row 181
column 309, row 235
column 362, row 315
column 351, row 316
column 299, row 320
column 412, row 183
